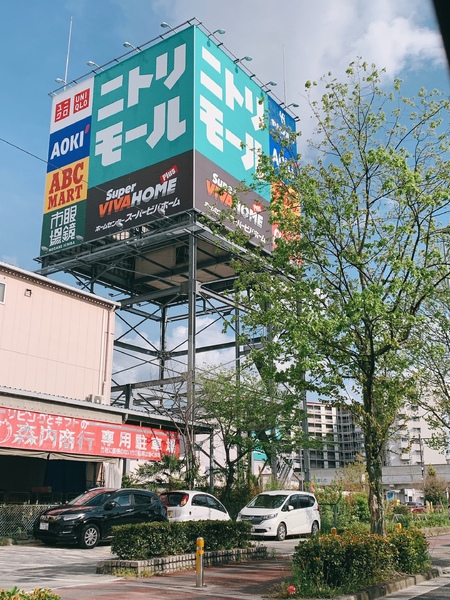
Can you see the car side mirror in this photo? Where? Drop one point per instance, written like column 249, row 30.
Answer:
column 290, row 507
column 110, row 505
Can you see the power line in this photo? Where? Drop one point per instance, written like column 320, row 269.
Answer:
column 23, row 150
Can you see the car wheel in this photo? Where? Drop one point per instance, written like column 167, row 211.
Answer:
column 281, row 532
column 89, row 536
column 314, row 529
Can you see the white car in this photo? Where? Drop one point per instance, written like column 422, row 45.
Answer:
column 189, row 505
column 281, row 513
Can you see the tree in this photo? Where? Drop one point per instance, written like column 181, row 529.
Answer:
column 353, row 477
column 345, row 288
column 168, row 471
column 435, row 488
column 246, row 418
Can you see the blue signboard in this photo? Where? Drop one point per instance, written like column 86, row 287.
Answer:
column 69, row 144
column 281, row 126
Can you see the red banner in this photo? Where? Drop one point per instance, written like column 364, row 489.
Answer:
column 29, row 430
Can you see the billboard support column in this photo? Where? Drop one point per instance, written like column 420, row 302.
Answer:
column 163, row 342
column 191, row 409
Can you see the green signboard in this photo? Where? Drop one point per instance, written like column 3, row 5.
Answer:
column 143, row 109
column 173, row 127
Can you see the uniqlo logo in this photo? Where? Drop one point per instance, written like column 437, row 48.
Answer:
column 81, row 100
column 62, row 110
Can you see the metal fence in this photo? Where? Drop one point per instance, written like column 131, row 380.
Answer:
column 16, row 520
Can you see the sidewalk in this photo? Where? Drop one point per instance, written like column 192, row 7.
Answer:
column 248, row 581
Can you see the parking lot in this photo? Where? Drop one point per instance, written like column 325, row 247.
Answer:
column 35, row 565
column 31, row 566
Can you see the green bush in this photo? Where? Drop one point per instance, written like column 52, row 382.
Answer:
column 404, row 519
column 147, row 540
column 411, row 551
column 341, row 564
column 342, row 511
column 37, row 594
column 419, row 520
column 432, row 519
column 238, row 496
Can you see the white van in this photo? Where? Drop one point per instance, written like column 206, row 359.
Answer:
column 280, row 513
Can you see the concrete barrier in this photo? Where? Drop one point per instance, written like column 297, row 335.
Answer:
column 181, row 562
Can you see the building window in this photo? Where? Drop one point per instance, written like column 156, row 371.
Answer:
column 2, row 293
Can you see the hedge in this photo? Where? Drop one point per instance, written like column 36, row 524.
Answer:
column 147, row 540
column 340, row 564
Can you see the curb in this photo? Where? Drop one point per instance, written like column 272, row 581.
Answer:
column 181, row 562
column 389, row 587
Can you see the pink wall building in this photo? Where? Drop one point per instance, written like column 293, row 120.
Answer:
column 59, row 434
column 54, row 339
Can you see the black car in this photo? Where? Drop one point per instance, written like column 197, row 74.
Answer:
column 87, row 519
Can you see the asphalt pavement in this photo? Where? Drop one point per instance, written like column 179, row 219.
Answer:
column 70, row 572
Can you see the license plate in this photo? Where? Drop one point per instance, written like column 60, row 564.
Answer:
column 43, row 525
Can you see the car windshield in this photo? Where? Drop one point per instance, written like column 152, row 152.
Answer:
column 267, row 501
column 91, row 498
column 174, row 498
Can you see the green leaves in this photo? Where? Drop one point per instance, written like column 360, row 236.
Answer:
column 346, row 290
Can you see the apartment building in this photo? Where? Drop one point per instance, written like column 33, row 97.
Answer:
column 340, row 440
column 411, row 441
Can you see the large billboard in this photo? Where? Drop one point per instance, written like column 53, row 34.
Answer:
column 29, row 430
column 174, row 127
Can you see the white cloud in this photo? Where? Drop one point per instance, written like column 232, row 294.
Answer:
column 395, row 43
column 296, row 40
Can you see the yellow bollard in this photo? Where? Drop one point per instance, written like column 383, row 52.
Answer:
column 199, row 562
column 399, row 526
column 333, row 531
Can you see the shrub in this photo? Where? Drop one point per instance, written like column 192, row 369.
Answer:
column 341, row 564
column 238, row 497
column 147, row 540
column 410, row 551
column 342, row 511
column 434, row 519
column 405, row 520
column 37, row 594
column 334, row 564
column 420, row 520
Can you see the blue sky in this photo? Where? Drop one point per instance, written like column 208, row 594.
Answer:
column 290, row 42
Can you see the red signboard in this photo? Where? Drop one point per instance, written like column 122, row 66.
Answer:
column 27, row 430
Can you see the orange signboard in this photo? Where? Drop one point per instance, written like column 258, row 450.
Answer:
column 66, row 185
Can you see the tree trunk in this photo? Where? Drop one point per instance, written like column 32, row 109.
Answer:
column 375, row 474
column 229, row 478
column 376, row 507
